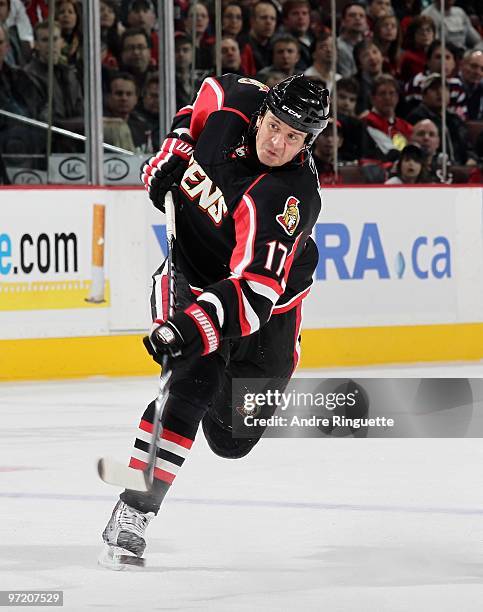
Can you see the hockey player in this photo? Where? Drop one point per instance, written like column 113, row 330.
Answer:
column 246, row 204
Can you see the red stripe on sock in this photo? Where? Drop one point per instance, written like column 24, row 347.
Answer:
column 137, row 464
column 171, row 436
column 158, row 473
column 146, row 426
column 163, row 475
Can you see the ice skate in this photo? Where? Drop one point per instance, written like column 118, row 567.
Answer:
column 124, row 538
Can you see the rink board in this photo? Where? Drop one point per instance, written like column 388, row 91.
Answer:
column 399, row 279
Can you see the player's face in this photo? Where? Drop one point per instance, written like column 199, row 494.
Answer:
column 277, row 143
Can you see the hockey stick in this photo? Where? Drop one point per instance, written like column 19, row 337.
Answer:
column 110, row 470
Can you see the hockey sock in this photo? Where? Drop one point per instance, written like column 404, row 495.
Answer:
column 173, row 447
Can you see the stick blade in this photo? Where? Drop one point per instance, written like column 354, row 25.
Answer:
column 120, row 475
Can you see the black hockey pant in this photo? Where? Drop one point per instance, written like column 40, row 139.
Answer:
column 201, row 390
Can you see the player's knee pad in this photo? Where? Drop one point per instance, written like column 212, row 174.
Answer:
column 221, row 441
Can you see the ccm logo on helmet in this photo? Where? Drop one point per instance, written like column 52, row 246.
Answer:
column 291, row 112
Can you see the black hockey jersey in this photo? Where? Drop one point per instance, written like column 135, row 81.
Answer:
column 243, row 229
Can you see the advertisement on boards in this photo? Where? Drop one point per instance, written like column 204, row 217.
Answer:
column 53, row 264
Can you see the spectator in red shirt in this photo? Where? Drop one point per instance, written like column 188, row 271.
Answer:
column 420, row 34
column 382, row 117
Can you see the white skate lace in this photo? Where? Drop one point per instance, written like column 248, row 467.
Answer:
column 135, row 522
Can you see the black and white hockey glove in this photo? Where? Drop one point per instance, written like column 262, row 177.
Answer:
column 190, row 333
column 166, row 168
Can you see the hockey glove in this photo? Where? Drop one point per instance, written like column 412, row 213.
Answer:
column 166, row 168
column 187, row 334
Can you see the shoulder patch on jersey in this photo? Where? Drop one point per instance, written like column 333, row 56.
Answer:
column 290, row 218
column 248, row 81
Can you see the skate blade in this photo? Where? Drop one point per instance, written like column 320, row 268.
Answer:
column 118, row 559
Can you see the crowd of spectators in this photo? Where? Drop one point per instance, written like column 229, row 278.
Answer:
column 389, row 76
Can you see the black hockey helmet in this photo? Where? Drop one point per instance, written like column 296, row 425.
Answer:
column 300, row 103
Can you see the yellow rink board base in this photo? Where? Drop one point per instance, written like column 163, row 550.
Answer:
column 125, row 355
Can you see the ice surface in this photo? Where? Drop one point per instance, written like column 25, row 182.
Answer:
column 367, row 525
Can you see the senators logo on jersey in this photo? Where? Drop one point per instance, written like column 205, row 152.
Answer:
column 290, row 218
